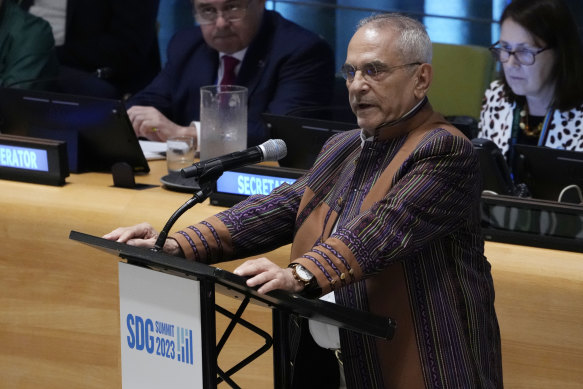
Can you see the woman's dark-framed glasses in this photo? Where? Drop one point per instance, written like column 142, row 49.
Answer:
column 370, row 71
column 523, row 56
column 232, row 11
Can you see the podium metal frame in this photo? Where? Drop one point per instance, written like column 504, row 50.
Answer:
column 283, row 304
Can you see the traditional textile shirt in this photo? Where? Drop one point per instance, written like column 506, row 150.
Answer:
column 565, row 130
column 407, row 245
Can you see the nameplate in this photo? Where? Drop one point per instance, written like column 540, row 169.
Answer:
column 36, row 160
column 236, row 185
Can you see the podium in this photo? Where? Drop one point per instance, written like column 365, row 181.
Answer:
column 157, row 347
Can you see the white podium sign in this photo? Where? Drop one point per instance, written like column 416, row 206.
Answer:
column 160, row 329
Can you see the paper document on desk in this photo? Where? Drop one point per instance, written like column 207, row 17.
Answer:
column 153, row 150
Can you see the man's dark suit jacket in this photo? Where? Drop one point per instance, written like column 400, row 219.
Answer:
column 120, row 34
column 285, row 67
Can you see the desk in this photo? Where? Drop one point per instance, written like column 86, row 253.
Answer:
column 59, row 316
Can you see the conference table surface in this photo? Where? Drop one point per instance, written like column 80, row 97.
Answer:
column 59, row 300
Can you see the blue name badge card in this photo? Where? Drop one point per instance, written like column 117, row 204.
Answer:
column 41, row 161
column 235, row 185
column 247, row 184
column 18, row 157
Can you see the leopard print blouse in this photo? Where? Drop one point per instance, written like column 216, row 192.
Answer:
column 565, row 130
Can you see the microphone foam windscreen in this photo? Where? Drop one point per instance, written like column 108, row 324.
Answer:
column 273, row 150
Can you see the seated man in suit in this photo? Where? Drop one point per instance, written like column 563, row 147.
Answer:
column 283, row 66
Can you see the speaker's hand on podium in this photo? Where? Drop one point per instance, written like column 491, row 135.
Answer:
column 269, row 275
column 143, row 235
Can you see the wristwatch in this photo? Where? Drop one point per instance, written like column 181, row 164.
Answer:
column 302, row 275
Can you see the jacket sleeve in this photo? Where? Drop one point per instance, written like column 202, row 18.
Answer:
column 487, row 118
column 257, row 225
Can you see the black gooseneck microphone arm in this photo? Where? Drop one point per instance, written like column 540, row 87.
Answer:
column 199, row 196
column 208, row 172
column 207, row 184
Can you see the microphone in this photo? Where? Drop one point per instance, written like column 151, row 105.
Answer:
column 102, row 73
column 406, row 116
column 210, row 169
column 272, row 150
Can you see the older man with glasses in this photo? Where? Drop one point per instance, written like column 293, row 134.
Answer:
column 283, row 65
column 387, row 221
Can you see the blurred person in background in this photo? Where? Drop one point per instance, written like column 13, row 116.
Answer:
column 283, row 66
column 539, row 98
column 106, row 48
column 27, row 48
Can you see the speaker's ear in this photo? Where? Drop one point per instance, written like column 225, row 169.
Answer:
column 424, row 76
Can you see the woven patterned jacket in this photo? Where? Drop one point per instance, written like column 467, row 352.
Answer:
column 407, row 244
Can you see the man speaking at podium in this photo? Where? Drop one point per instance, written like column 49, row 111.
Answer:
column 387, row 219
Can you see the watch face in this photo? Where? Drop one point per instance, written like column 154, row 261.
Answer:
column 303, row 273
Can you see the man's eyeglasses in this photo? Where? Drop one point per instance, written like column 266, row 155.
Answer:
column 370, row 71
column 232, row 12
column 523, row 56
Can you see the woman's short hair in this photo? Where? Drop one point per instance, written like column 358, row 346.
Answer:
column 552, row 25
column 414, row 42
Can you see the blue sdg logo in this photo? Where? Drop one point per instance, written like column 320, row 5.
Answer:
column 161, row 339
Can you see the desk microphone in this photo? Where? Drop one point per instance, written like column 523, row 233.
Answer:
column 101, row 73
column 209, row 170
column 272, row 150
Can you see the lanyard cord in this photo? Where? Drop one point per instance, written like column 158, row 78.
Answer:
column 516, row 129
column 543, row 135
column 516, row 126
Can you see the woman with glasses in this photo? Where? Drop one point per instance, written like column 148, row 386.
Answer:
column 539, row 98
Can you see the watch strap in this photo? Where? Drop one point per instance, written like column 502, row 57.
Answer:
column 311, row 287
